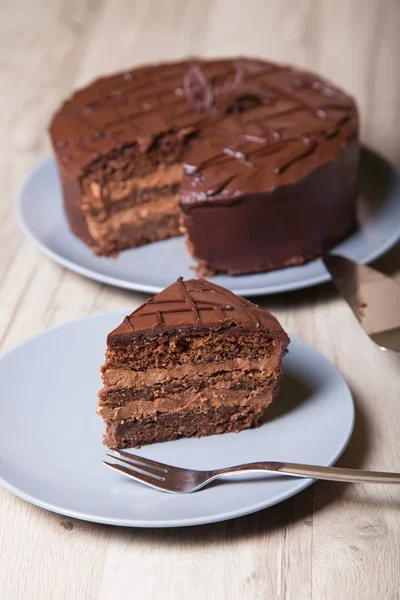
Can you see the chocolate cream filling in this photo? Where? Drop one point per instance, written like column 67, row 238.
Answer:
column 187, row 400
column 97, row 196
column 139, row 219
column 126, row 378
column 246, row 381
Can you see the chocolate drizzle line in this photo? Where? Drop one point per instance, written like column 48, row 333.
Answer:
column 128, row 322
column 188, row 298
column 225, row 154
column 237, row 301
column 156, row 307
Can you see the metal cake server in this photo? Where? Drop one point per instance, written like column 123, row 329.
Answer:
column 373, row 297
column 176, row 480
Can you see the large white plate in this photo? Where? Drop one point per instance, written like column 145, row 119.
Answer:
column 151, row 268
column 51, row 438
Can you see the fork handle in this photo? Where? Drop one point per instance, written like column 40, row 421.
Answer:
column 313, row 472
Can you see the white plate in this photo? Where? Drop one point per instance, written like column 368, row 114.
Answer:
column 151, row 268
column 51, row 448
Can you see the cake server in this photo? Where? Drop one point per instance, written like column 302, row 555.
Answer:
column 373, row 297
column 176, row 480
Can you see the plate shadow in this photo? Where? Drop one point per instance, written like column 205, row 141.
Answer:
column 293, row 391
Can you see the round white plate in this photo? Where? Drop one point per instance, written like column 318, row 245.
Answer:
column 151, row 268
column 51, row 448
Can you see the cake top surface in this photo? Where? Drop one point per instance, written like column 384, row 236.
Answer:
column 258, row 124
column 194, row 304
column 297, row 122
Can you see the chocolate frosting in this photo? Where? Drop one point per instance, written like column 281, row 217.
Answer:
column 293, row 123
column 194, row 304
column 258, row 119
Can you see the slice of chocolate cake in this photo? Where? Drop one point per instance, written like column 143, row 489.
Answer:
column 193, row 360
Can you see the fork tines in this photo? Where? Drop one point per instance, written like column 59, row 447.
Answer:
column 141, row 469
column 139, row 460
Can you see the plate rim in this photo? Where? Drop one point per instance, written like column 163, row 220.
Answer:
column 192, row 521
column 154, row 289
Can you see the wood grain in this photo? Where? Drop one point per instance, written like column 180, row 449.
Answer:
column 332, row 541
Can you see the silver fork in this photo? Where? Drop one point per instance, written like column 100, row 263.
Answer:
column 176, row 480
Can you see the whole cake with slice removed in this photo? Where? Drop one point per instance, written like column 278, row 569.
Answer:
column 256, row 162
column 193, row 360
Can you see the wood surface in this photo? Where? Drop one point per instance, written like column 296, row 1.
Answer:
column 332, row 541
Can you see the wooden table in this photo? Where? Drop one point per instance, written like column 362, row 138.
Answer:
column 332, row 541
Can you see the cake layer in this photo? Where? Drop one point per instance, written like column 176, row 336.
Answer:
column 126, row 378
column 190, row 421
column 106, row 196
column 187, row 400
column 160, row 177
column 192, row 348
column 138, row 199
column 136, row 225
column 246, row 380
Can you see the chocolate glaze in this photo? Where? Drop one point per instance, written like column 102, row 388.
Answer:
column 299, row 123
column 285, row 226
column 270, row 145
column 195, row 304
column 137, row 106
column 267, row 103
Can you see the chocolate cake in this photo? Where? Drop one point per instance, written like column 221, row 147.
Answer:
column 260, row 161
column 193, row 360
